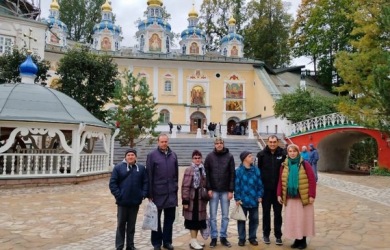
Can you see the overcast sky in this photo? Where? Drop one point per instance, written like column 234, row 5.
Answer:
column 128, row 11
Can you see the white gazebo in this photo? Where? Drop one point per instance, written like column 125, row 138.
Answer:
column 45, row 133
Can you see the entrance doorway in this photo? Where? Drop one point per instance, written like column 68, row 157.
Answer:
column 197, row 120
column 231, row 125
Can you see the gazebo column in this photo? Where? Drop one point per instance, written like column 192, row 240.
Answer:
column 76, row 138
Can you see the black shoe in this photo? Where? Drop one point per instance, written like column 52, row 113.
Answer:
column 241, row 243
column 303, row 244
column 254, row 242
column 266, row 240
column 168, row 246
column 131, row 248
column 296, row 244
column 156, row 248
column 225, row 242
column 213, row 243
column 279, row 241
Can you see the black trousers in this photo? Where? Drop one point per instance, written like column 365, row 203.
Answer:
column 270, row 200
column 164, row 235
column 127, row 217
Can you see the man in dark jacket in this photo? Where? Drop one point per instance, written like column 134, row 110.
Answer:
column 129, row 185
column 313, row 159
column 220, row 174
column 269, row 161
column 163, row 171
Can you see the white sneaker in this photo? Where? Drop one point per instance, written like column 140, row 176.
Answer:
column 202, row 244
column 195, row 245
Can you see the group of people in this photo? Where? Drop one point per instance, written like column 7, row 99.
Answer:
column 213, row 128
column 278, row 180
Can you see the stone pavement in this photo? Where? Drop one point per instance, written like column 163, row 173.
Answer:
column 352, row 212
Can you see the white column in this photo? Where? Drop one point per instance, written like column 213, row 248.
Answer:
column 180, row 85
column 155, row 83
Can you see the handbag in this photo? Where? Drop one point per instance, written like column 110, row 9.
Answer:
column 237, row 213
column 205, row 232
column 204, row 195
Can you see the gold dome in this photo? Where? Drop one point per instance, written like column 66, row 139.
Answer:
column 193, row 12
column 232, row 21
column 155, row 2
column 106, row 6
column 54, row 5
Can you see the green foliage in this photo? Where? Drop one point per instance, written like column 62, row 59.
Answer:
column 366, row 68
column 365, row 151
column 136, row 111
column 88, row 78
column 382, row 171
column 10, row 62
column 266, row 36
column 322, row 28
column 215, row 17
column 302, row 105
column 80, row 17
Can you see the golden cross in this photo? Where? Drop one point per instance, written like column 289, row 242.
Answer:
column 29, row 39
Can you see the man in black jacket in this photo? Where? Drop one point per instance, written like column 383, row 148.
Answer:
column 269, row 161
column 129, row 184
column 220, row 174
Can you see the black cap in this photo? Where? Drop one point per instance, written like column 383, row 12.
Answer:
column 131, row 150
column 244, row 154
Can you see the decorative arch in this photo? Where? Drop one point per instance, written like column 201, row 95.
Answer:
column 197, row 119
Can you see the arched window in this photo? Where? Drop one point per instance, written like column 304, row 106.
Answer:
column 168, row 44
column 164, row 116
column 168, row 86
column 184, row 49
column 142, row 43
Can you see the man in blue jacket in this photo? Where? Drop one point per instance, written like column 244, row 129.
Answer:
column 129, row 185
column 163, row 172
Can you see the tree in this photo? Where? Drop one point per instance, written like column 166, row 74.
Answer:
column 80, row 16
column 88, row 78
column 136, row 111
column 322, row 28
column 366, row 68
column 266, row 36
column 302, row 105
column 215, row 17
column 10, row 62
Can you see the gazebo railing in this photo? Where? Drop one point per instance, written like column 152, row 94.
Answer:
column 50, row 164
column 321, row 122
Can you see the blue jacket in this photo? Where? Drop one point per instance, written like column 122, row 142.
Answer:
column 314, row 157
column 248, row 186
column 129, row 184
column 305, row 155
column 163, row 171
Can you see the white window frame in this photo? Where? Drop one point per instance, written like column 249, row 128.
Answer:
column 6, row 44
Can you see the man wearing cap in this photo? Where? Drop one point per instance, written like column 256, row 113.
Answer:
column 220, row 173
column 163, row 170
column 129, row 185
column 270, row 160
column 248, row 191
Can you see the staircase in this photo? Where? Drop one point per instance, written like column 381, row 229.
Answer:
column 183, row 147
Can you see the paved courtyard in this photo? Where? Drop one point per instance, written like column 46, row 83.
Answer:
column 352, row 212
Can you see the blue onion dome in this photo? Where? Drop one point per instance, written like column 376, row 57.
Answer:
column 193, row 31
column 151, row 20
column 52, row 21
column 28, row 67
column 232, row 32
column 109, row 25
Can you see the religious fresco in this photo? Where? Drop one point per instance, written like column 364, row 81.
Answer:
column 234, row 51
column 155, row 43
column 106, row 43
column 194, row 49
column 197, row 95
column 234, row 106
column 234, row 90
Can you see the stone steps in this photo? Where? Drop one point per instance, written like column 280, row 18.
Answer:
column 183, row 147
